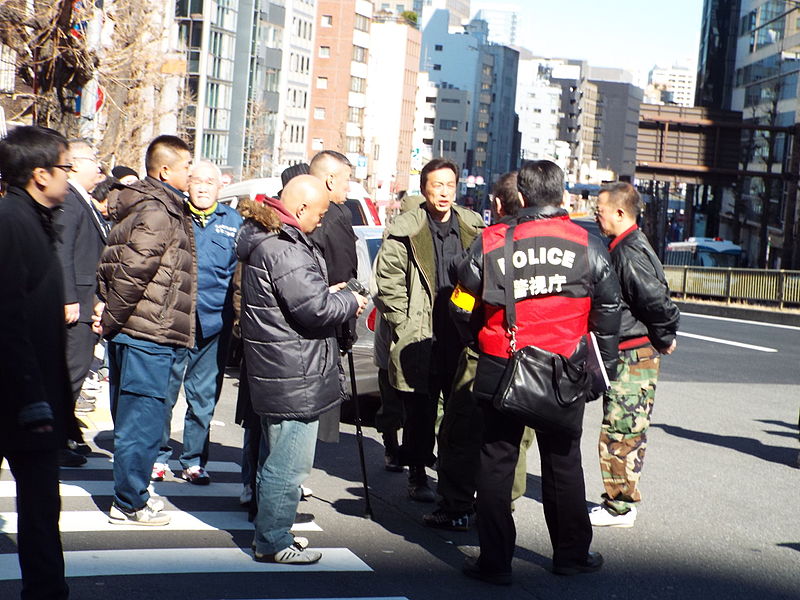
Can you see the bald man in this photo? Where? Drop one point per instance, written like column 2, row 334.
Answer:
column 289, row 311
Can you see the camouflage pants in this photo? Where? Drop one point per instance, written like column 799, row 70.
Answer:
column 627, row 407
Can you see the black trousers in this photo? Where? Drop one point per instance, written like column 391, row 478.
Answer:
column 563, row 493
column 80, row 351
column 419, row 435
column 460, row 441
column 41, row 558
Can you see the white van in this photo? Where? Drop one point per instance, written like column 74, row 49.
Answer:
column 234, row 193
column 362, row 208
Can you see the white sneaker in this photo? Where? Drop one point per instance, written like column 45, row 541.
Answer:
column 305, row 492
column 160, row 471
column 156, row 503
column 298, row 541
column 293, row 555
column 601, row 517
column 143, row 516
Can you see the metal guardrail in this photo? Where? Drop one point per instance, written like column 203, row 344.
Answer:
column 781, row 288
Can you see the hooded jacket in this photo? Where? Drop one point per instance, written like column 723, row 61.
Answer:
column 288, row 316
column 405, row 271
column 147, row 275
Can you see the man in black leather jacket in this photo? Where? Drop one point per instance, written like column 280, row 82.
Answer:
column 564, row 287
column 649, row 324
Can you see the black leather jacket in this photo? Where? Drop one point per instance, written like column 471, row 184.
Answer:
column 647, row 309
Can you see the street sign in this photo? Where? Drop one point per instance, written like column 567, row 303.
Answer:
column 487, row 216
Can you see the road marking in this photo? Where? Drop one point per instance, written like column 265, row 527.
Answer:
column 85, row 521
column 705, row 338
column 85, row 489
column 96, row 563
column 103, row 463
column 777, row 325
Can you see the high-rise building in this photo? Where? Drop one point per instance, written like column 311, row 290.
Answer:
column 538, row 104
column 339, row 81
column 503, row 20
column 391, row 99
column 459, row 10
column 207, row 33
column 251, row 152
column 295, row 83
column 717, row 57
column 466, row 61
column 671, row 85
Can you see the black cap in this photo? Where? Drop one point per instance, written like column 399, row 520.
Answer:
column 293, row 171
column 121, row 171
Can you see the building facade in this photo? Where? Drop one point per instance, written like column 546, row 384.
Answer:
column 391, row 97
column 339, row 81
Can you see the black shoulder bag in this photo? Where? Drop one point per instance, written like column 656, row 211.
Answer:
column 545, row 390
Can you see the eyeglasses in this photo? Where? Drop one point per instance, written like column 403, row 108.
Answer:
column 65, row 168
column 439, row 186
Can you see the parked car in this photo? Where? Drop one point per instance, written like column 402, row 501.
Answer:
column 368, row 243
column 362, row 208
column 234, row 193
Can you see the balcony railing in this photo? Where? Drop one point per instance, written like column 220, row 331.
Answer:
column 759, row 286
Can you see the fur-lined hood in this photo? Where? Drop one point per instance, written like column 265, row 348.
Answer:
column 263, row 219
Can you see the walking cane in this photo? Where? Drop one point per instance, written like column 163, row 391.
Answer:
column 359, row 434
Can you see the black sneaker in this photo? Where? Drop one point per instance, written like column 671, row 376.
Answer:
column 472, row 569
column 440, row 519
column 300, row 518
column 593, row 562
column 68, row 458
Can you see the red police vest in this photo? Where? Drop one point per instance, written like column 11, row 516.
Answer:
column 552, row 286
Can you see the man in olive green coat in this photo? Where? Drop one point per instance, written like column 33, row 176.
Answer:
column 415, row 277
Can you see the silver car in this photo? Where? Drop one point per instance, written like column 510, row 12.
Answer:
column 369, row 239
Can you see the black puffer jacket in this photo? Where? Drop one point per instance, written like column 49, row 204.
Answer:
column 647, row 309
column 288, row 317
column 148, row 272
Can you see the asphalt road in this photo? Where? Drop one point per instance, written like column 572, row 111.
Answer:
column 718, row 519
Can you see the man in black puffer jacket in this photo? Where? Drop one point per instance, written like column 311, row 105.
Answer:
column 288, row 323
column 648, row 328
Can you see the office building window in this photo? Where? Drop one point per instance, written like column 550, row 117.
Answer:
column 322, row 83
column 438, row 47
column 326, row 21
column 319, row 113
column 448, row 124
column 324, row 51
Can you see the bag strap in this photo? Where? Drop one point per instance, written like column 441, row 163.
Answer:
column 508, row 287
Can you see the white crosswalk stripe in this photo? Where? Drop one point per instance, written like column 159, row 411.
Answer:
column 83, row 517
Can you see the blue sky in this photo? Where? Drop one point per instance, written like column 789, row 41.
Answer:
column 632, row 34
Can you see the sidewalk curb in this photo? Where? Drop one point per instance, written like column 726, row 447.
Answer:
column 736, row 312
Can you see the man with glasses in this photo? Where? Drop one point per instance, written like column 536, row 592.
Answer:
column 200, row 369
column 34, row 379
column 415, row 271
column 82, row 233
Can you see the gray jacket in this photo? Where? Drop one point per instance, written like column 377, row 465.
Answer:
column 288, row 317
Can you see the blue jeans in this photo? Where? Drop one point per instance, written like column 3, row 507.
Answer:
column 139, row 373
column 291, row 446
column 200, row 370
